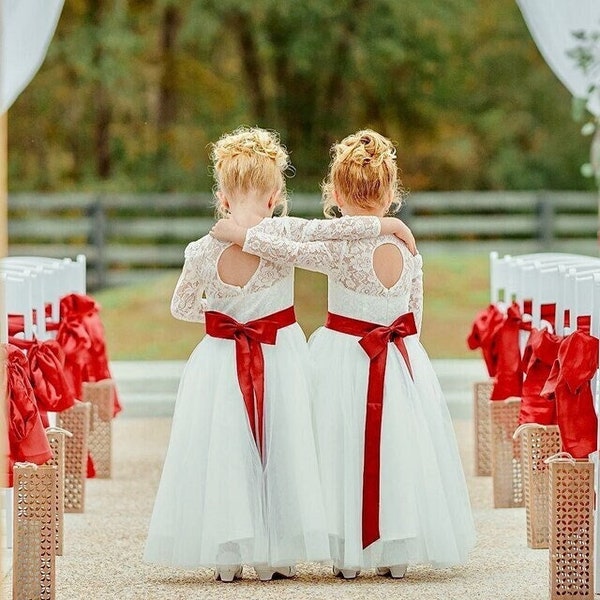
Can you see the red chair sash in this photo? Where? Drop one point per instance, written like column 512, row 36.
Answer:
column 539, row 356
column 569, row 385
column 27, row 440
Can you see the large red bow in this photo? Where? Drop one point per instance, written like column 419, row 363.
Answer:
column 47, row 375
column 249, row 358
column 539, row 356
column 81, row 334
column 569, row 385
column 27, row 440
column 374, row 341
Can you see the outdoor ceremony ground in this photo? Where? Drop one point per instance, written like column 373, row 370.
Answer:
column 103, row 546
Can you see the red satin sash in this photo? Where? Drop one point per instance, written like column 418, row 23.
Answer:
column 47, row 375
column 539, row 356
column 249, row 358
column 505, row 348
column 548, row 313
column 374, row 341
column 569, row 384
column 583, row 323
column 484, row 329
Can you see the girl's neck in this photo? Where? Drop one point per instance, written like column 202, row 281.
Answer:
column 350, row 211
column 250, row 208
column 247, row 218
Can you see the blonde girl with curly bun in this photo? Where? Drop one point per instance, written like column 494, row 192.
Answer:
column 364, row 175
column 240, row 485
column 249, row 164
column 394, row 489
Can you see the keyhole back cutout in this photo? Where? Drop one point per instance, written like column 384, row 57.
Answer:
column 388, row 264
column 236, row 267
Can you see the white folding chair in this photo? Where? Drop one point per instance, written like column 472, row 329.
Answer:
column 16, row 291
column 498, row 277
column 577, row 294
column 59, row 284
column 549, row 287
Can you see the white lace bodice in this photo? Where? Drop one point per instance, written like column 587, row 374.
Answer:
column 354, row 289
column 269, row 290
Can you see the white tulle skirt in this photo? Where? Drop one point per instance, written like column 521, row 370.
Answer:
column 216, row 505
column 425, row 514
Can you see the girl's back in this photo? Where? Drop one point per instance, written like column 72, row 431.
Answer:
column 232, row 282
column 371, row 279
column 375, row 280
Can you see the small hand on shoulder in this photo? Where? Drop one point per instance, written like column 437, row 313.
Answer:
column 394, row 226
column 227, row 230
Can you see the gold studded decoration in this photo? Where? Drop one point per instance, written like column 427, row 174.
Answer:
column 571, row 528
column 34, row 506
column 100, row 395
column 482, row 392
column 538, row 442
column 76, row 420
column 57, row 440
column 507, row 476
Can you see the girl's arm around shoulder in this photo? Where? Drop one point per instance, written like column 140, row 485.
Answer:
column 315, row 256
column 314, row 230
column 304, row 230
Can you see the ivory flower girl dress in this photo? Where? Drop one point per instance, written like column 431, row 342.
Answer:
column 240, row 482
column 393, row 484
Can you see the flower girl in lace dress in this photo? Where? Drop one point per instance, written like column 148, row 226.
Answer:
column 240, row 482
column 394, row 489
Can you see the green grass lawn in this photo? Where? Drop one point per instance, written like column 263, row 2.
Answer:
column 139, row 325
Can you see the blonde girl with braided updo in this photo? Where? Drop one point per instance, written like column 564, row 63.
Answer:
column 362, row 174
column 394, row 490
column 240, row 486
column 250, row 163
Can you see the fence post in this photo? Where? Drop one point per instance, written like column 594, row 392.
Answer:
column 545, row 214
column 98, row 240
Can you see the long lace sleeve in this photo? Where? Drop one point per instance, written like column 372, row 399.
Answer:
column 321, row 230
column 315, row 256
column 415, row 302
column 187, row 303
column 307, row 243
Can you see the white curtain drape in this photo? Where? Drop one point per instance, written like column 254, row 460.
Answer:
column 551, row 23
column 26, row 28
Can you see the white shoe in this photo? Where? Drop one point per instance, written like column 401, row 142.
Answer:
column 266, row 573
column 346, row 573
column 395, row 571
column 228, row 574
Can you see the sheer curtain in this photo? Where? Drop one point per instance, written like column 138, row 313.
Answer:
column 551, row 23
column 26, row 28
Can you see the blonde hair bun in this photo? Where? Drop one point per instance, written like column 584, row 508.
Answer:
column 366, row 148
column 250, row 158
column 363, row 171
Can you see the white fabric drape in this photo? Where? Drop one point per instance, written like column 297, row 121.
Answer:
column 26, row 28
column 551, row 23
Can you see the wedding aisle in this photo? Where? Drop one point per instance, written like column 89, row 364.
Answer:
column 103, row 547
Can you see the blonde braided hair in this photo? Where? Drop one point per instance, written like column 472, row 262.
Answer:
column 250, row 158
column 363, row 171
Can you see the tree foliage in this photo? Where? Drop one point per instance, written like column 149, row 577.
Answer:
column 133, row 91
